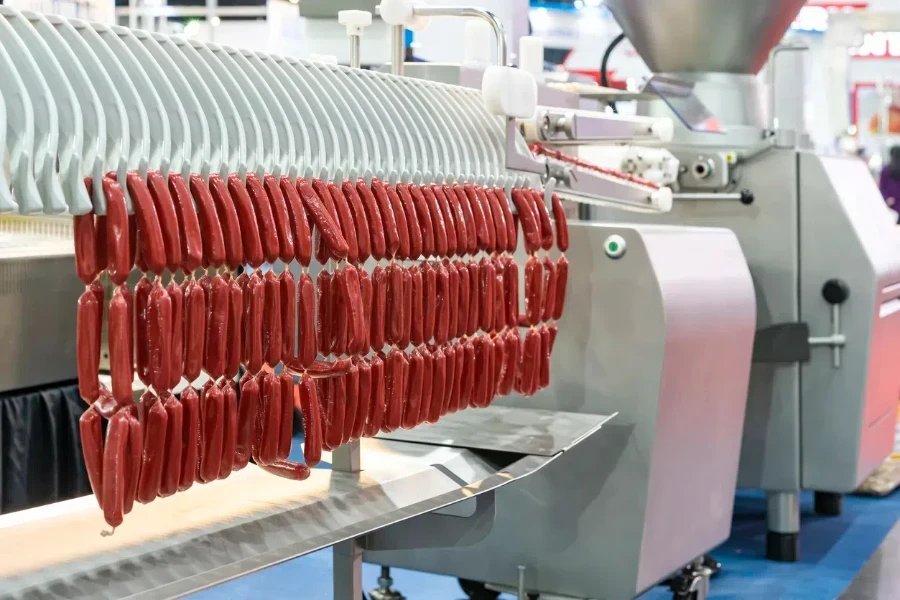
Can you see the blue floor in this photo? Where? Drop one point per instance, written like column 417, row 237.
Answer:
column 833, row 550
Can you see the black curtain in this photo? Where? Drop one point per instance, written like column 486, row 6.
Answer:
column 40, row 447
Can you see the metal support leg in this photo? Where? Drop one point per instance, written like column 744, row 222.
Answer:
column 828, row 504
column 398, row 50
column 347, row 555
column 783, row 537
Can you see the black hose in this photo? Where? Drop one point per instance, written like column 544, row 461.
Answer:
column 604, row 78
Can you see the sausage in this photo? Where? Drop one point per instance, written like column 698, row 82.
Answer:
column 462, row 298
column 377, row 242
column 246, row 419
column 458, row 218
column 120, row 363
column 188, row 224
column 356, row 318
column 562, row 226
column 265, row 218
column 85, row 247
column 379, row 308
column 366, row 292
column 351, row 404
column 438, row 381
column 468, row 216
column 527, row 374
column 491, row 245
column 287, row 469
column 377, row 401
column 286, row 417
column 416, row 311
column 299, row 222
column 171, row 470
column 486, row 276
column 306, row 321
column 447, row 214
column 312, row 422
column 194, row 329
column 562, row 280
column 92, row 450
column 453, row 295
column 87, row 341
column 450, row 360
column 345, row 219
column 439, row 226
column 323, row 242
column 503, row 202
column 229, row 427
column 499, row 293
column 405, row 213
column 323, row 308
column 483, row 359
column 528, row 218
column 429, row 300
column 114, row 469
column 456, row 402
column 212, row 426
column 405, row 309
column 474, row 298
column 234, row 327
column 511, row 292
column 511, row 343
column 288, row 305
column 132, row 241
column 142, row 350
column 281, row 217
column 478, row 216
column 413, row 397
column 153, row 247
column 467, row 390
column 101, row 246
column 427, row 377
column 154, row 422
column 544, row 372
column 255, row 315
column 159, row 337
column 210, row 229
column 499, row 363
column 553, row 330
column 251, row 244
column 217, row 329
column 272, row 327
column 336, row 402
column 117, row 234
column 360, row 221
column 549, row 291
column 175, row 353
column 543, row 219
column 339, row 313
column 395, row 316
column 228, row 219
column 499, row 220
column 442, row 305
column 190, row 437
column 134, row 451
column 425, row 220
column 394, row 226
column 168, row 220
column 395, row 388
column 533, row 290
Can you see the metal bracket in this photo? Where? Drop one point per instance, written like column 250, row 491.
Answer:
column 555, row 126
column 836, row 341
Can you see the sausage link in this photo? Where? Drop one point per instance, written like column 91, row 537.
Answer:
column 453, row 295
column 288, row 305
column 534, row 289
column 212, row 425
column 499, row 364
column 543, row 219
column 323, row 308
column 132, row 242
column 272, row 327
column 120, row 363
column 99, row 293
column 478, row 216
column 424, row 219
column 90, row 428
column 153, row 247
column 246, row 419
column 488, row 218
column 395, row 388
column 211, row 234
column 345, row 219
column 142, row 349
column 254, row 323
column 499, row 220
column 217, row 329
column 511, row 344
column 228, row 219
column 251, row 244
column 467, row 389
column 306, row 321
column 377, row 402
column 351, row 404
column 457, row 403
column 527, row 374
column 379, row 308
column 511, row 292
column 114, row 469
column 427, row 377
column 356, row 317
column 429, row 300
column 265, row 218
column 447, row 214
column 562, row 280
column 438, row 382
column 194, row 329
column 462, row 299
column 492, row 384
column 175, row 354
column 229, row 427
column 206, row 283
column 85, row 247
column 450, row 360
column 87, row 342
column 299, row 222
column 336, row 402
column 366, row 293
column 442, row 305
column 339, row 313
column 281, row 217
column 549, row 291
column 508, row 221
column 465, row 208
column 474, row 297
column 190, row 437
column 312, row 422
column 101, row 246
column 405, row 214
column 168, row 221
column 235, row 328
column 405, row 309
column 134, row 450
column 360, row 221
column 159, row 337
column 394, row 226
column 544, row 372
column 562, row 225
column 395, row 316
column 117, row 233
column 459, row 219
column 437, row 220
column 329, row 238
column 171, row 471
column 154, row 422
column 413, row 399
column 486, row 276
column 416, row 312
column 365, row 397
column 377, row 243
column 483, row 374
column 188, row 224
column 287, row 469
column 286, row 419
column 499, row 293
column 531, row 230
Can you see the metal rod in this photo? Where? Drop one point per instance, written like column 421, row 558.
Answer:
column 521, row 587
column 469, row 11
column 707, row 196
column 354, row 51
column 212, row 7
column 398, row 50
column 836, row 330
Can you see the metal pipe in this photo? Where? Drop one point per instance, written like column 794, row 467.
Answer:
column 469, row 11
column 398, row 51
column 521, row 587
column 354, row 51
column 707, row 196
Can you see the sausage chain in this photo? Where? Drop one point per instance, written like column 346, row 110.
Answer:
column 431, row 329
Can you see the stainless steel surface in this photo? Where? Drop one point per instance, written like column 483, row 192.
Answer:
column 595, row 188
column 398, row 50
column 521, row 430
column 347, row 555
column 783, row 512
column 664, row 336
column 556, row 126
column 786, row 75
column 723, row 36
column 708, row 196
column 470, row 11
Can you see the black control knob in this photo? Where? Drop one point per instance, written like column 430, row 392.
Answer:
column 835, row 291
column 747, row 197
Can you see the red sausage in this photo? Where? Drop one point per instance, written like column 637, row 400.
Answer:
column 474, row 297
column 235, row 329
column 92, row 449
column 299, row 222
column 345, row 219
column 286, row 419
column 153, row 247
column 462, row 311
column 100, row 294
column 356, row 318
column 424, row 219
column 511, row 292
column 511, row 343
column 306, row 322
column 102, row 248
column 168, row 220
column 562, row 226
column 427, row 377
column 377, row 401
column 394, row 225
column 499, row 363
column 549, row 292
column 405, row 309
column 562, row 280
column 438, row 382
column 531, row 230
column 442, row 305
column 486, row 274
column 366, row 292
column 288, row 305
column 312, row 422
column 120, row 364
column 329, row 239
column 175, row 355
column 365, row 396
column 396, row 370
column 533, row 290
column 134, row 451
column 453, row 295
column 336, row 402
column 142, row 350
column 405, row 214
column 281, row 217
column 456, row 402
column 132, row 241
column 194, row 329
column 530, row 355
column 483, row 376
column 507, row 219
column 450, row 360
column 351, row 403
column 499, row 293
column 159, row 337
column 467, row 391
column 459, row 219
column 543, row 219
column 375, row 223
column 447, row 215
column 479, row 218
column 229, row 428
column 114, row 469
column 210, row 228
column 488, row 219
column 437, row 219
column 323, row 306
column 87, row 341
column 228, row 219
column 119, row 260
column 245, row 421
column 251, row 243
column 85, row 247
column 360, row 221
column 262, row 208
column 413, row 390
column 190, row 437
column 468, row 217
column 416, row 312
column 287, row 469
column 272, row 322
column 154, row 421
column 544, row 373
column 254, row 324
column 396, row 315
column 171, row 471
column 188, row 224
column 339, row 313
column 429, row 301
column 379, row 308
column 212, row 428
column 499, row 220
column 217, row 329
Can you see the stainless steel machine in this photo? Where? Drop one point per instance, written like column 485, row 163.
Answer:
column 824, row 256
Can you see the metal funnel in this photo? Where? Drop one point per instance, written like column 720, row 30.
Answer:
column 710, row 36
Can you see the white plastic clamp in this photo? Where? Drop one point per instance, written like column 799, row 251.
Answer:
column 355, row 21
column 509, row 92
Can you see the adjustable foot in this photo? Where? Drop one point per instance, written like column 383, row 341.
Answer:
column 828, row 504
column 692, row 582
column 783, row 547
column 385, row 591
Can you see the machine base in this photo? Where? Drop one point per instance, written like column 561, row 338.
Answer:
column 782, row 547
column 828, row 504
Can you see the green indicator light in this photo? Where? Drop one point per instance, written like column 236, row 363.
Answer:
column 613, row 247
